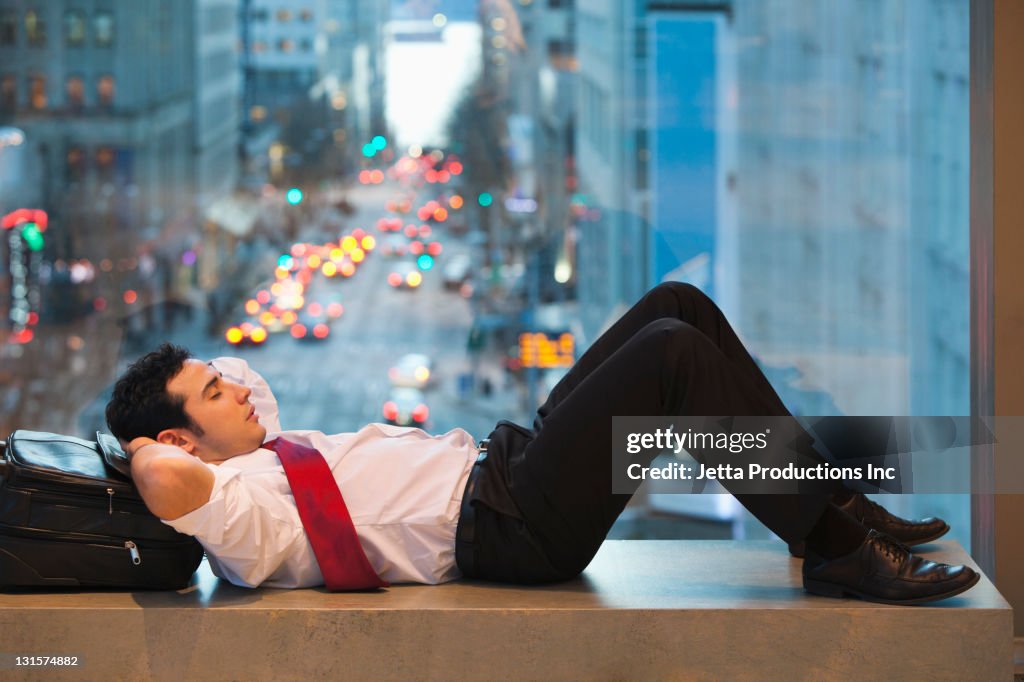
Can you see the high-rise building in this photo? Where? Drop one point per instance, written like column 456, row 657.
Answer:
column 130, row 115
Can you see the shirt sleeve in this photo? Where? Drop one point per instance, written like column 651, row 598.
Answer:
column 248, row 532
column 262, row 398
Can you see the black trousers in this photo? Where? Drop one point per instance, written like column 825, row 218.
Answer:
column 673, row 353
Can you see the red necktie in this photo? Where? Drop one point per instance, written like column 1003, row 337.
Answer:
column 326, row 519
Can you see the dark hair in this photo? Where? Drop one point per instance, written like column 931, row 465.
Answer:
column 141, row 404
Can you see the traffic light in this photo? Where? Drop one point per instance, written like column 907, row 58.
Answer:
column 485, row 199
column 425, row 261
column 377, row 144
column 294, row 196
column 33, row 237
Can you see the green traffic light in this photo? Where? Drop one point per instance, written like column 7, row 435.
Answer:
column 485, row 199
column 294, row 196
column 32, row 236
column 425, row 261
column 379, row 142
column 369, row 150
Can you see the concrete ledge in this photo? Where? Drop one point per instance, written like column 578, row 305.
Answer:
column 643, row 610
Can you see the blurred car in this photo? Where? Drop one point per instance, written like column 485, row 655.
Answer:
column 418, row 247
column 405, row 275
column 246, row 334
column 312, row 324
column 394, row 245
column 414, row 370
column 406, row 407
column 389, row 224
column 456, row 271
column 273, row 321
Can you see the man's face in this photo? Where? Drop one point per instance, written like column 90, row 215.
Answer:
column 218, row 407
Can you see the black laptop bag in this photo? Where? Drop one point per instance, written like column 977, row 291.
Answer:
column 71, row 517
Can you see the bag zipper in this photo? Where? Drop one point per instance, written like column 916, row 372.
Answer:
column 125, row 504
column 105, row 540
column 29, row 475
column 133, row 551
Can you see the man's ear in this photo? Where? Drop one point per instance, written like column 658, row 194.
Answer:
column 180, row 437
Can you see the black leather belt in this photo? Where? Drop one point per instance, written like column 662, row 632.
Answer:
column 465, row 531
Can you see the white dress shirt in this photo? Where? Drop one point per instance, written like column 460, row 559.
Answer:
column 402, row 486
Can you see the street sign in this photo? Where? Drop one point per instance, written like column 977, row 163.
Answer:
column 543, row 350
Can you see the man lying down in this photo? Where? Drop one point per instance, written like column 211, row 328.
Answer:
column 525, row 505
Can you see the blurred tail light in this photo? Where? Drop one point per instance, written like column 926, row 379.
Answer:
column 321, row 331
column 390, row 411
column 421, row 413
column 299, row 331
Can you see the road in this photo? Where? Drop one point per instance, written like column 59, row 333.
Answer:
column 340, row 384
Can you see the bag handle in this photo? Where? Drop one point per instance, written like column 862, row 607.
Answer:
column 113, row 455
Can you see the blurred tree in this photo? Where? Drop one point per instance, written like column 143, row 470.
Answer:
column 478, row 134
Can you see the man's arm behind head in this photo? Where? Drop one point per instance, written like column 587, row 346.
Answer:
column 171, row 481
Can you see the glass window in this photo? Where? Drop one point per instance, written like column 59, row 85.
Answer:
column 75, row 164
column 37, row 92
column 105, row 91
column 103, row 29
column 74, row 28
column 816, row 189
column 106, row 158
column 8, row 27
column 35, row 28
column 75, row 91
column 8, row 92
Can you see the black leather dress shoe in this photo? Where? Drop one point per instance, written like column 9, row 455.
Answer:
column 874, row 515
column 885, row 571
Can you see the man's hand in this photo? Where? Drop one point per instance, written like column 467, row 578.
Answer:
column 171, row 481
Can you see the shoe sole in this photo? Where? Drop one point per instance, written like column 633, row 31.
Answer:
column 799, row 549
column 825, row 589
